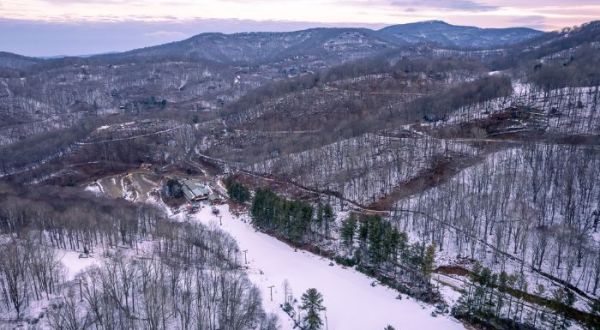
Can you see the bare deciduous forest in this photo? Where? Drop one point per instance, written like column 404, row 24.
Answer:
column 465, row 177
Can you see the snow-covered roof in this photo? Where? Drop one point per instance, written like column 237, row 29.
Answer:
column 194, row 189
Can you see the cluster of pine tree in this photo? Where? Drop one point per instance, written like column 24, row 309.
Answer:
column 378, row 248
column 371, row 243
column 501, row 300
column 484, row 297
column 237, row 191
column 292, row 219
column 379, row 242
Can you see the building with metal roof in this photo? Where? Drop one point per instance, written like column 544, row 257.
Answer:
column 195, row 190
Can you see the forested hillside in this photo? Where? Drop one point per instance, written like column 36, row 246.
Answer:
column 454, row 165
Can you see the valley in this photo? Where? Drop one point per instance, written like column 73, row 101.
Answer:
column 419, row 176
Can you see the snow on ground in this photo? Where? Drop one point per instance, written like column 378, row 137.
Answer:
column 74, row 265
column 95, row 188
column 351, row 301
column 364, row 168
column 450, row 287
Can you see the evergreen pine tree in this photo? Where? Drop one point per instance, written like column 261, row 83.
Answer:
column 312, row 304
column 375, row 236
column 319, row 219
column 348, row 230
column 237, row 191
column 328, row 218
column 428, row 261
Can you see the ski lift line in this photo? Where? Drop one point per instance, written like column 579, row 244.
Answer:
column 132, row 137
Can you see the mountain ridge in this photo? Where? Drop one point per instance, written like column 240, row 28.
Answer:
column 448, row 35
column 324, row 43
column 258, row 47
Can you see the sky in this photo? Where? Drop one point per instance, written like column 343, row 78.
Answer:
column 85, row 27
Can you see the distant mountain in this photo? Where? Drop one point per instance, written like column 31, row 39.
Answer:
column 207, row 71
column 14, row 61
column 447, row 35
column 326, row 43
column 259, row 47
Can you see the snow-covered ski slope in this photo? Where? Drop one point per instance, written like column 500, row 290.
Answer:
column 351, row 302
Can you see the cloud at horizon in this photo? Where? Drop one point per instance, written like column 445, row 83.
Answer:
column 464, row 5
column 80, row 38
column 78, row 27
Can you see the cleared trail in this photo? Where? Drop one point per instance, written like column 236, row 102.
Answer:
column 352, row 302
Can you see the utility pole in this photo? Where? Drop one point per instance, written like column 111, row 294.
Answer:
column 271, row 287
column 80, row 290
column 245, row 256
